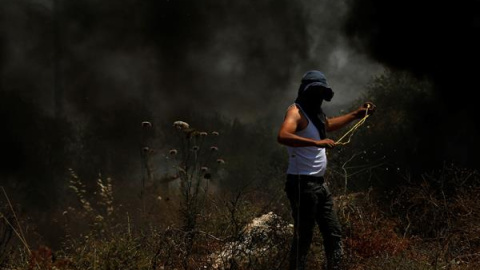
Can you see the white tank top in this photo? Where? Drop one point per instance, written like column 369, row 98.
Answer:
column 307, row 160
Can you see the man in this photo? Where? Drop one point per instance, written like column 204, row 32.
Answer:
column 304, row 133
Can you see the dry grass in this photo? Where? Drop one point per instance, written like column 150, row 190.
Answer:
column 373, row 239
column 428, row 223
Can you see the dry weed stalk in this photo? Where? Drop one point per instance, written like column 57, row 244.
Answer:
column 18, row 231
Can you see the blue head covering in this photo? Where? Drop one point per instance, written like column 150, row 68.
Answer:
column 313, row 78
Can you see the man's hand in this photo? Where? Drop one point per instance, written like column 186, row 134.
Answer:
column 366, row 108
column 325, row 143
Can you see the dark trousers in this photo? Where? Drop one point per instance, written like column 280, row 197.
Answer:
column 312, row 203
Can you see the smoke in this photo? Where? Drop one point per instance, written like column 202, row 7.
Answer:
column 433, row 40
column 236, row 58
column 347, row 70
column 81, row 75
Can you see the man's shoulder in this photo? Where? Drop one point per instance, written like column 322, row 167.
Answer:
column 294, row 112
column 293, row 107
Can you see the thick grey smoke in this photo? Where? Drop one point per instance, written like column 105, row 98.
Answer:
column 347, row 70
column 240, row 59
column 77, row 77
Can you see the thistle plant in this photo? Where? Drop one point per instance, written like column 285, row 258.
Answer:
column 195, row 163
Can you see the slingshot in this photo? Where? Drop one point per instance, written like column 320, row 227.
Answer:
column 354, row 128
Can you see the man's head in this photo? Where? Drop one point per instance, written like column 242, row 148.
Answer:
column 314, row 87
column 313, row 90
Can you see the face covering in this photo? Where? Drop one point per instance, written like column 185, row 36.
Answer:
column 310, row 98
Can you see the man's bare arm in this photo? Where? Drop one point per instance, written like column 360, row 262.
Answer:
column 340, row 121
column 287, row 136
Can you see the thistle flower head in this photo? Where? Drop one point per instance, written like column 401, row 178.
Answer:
column 146, row 149
column 203, row 134
column 213, row 148
column 204, row 169
column 215, row 133
column 181, row 125
column 173, row 152
column 220, row 161
column 146, row 124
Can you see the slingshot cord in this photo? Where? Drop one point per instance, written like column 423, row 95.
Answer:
column 353, row 129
